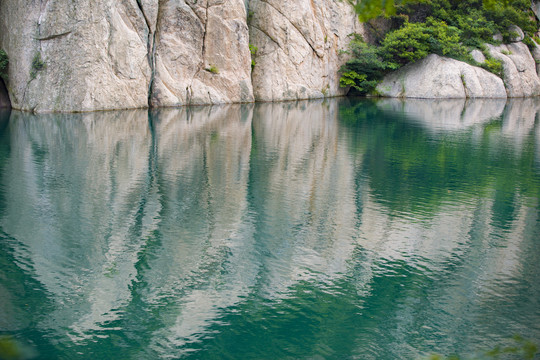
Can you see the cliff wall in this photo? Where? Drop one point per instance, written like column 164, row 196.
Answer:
column 90, row 55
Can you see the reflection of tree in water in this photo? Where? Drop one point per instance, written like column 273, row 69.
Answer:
column 412, row 170
column 459, row 207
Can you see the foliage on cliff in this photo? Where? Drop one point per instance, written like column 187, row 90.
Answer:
column 445, row 27
column 4, row 62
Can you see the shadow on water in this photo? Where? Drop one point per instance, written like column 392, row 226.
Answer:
column 338, row 229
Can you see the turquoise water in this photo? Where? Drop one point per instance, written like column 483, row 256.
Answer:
column 337, row 229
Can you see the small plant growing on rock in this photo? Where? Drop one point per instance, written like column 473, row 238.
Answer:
column 494, row 66
column 253, row 50
column 213, row 69
column 37, row 65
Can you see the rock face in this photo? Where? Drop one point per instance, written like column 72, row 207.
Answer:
column 439, row 77
column 201, row 53
column 298, row 47
column 536, row 56
column 478, row 56
column 75, row 56
column 535, row 6
column 520, row 76
column 98, row 55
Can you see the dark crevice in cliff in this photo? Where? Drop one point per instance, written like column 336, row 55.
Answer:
column 151, row 48
column 5, row 102
column 202, row 64
column 54, row 36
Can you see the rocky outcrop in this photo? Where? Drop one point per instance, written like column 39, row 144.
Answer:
column 439, row 77
column 75, row 56
column 535, row 6
column 98, row 55
column 201, row 53
column 299, row 43
column 519, row 66
column 536, row 56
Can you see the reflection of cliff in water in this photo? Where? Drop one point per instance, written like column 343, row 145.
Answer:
column 165, row 228
column 74, row 184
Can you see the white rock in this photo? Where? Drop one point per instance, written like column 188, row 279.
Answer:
column 518, row 33
column 202, row 53
column 439, row 77
column 520, row 76
column 111, row 55
column 94, row 54
column 535, row 6
column 299, row 45
column 478, row 56
column 536, row 56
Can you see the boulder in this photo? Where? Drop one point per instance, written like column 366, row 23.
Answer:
column 519, row 66
column 440, row 77
column 299, row 44
column 516, row 32
column 478, row 56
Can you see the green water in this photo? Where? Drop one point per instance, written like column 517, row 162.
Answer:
column 337, row 229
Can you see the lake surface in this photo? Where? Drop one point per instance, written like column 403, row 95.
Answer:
column 336, row 229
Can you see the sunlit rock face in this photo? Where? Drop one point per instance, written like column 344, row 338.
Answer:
column 75, row 56
column 81, row 56
column 201, row 53
column 299, row 44
column 519, row 66
column 440, row 77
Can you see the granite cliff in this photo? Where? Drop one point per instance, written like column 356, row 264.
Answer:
column 90, row 55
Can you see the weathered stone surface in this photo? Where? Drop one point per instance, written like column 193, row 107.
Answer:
column 535, row 6
column 201, row 53
column 478, row 56
column 439, row 77
column 94, row 54
column 101, row 55
column 518, row 34
column 520, row 76
column 298, row 47
column 536, row 56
